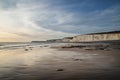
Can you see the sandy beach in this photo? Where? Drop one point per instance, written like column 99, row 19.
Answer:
column 43, row 63
column 59, row 39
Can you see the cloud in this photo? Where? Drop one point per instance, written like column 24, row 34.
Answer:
column 20, row 21
column 96, row 20
column 46, row 19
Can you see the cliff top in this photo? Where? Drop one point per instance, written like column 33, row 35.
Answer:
column 106, row 32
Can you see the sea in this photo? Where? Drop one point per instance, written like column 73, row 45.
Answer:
column 19, row 45
column 13, row 45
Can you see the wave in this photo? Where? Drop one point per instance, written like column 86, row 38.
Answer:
column 13, row 45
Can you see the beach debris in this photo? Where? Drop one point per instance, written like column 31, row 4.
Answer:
column 60, row 69
column 26, row 49
column 40, row 46
column 73, row 46
column 30, row 48
column 46, row 46
column 78, row 59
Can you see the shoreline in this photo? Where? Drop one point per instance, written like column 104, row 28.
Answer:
column 45, row 63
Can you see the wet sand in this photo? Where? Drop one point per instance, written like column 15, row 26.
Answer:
column 59, row 64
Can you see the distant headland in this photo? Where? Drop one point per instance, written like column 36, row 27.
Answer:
column 91, row 37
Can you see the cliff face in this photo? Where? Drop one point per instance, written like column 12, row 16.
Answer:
column 54, row 40
column 108, row 36
column 96, row 37
column 67, row 39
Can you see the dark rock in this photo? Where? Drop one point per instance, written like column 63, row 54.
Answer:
column 26, row 49
column 46, row 46
column 60, row 69
column 78, row 59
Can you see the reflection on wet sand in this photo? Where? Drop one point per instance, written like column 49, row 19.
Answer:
column 51, row 64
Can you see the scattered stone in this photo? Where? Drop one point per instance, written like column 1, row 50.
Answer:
column 60, row 69
column 101, row 48
column 46, row 46
column 78, row 59
column 30, row 48
column 26, row 49
column 88, row 49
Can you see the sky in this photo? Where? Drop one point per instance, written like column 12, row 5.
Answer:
column 28, row 20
